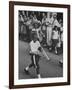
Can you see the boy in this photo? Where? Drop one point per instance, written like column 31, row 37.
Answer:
column 35, row 55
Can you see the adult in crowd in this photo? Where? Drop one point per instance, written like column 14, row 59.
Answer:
column 49, row 29
column 37, row 28
column 21, row 22
column 43, row 28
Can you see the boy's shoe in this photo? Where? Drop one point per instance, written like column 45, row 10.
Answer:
column 61, row 61
column 50, row 49
column 26, row 71
column 56, row 52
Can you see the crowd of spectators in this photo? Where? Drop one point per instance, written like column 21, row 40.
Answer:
column 47, row 25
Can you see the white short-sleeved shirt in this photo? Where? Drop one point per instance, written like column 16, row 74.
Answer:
column 55, row 35
column 34, row 46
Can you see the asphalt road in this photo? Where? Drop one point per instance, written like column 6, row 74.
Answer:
column 48, row 69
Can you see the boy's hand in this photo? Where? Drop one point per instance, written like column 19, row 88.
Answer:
column 40, row 49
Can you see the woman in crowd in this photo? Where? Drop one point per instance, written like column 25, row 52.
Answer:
column 29, row 28
column 21, row 26
column 49, row 29
column 43, row 28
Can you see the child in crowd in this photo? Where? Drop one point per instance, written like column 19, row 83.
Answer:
column 35, row 52
column 55, row 38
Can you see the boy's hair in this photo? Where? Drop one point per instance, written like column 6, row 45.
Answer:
column 55, row 27
column 58, row 28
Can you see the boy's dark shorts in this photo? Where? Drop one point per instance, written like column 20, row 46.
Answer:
column 55, row 41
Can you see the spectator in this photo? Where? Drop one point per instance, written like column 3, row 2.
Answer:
column 44, row 29
column 55, row 38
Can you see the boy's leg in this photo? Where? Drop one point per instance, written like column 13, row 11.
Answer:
column 56, row 41
column 52, row 45
column 56, row 50
column 32, row 61
column 37, row 66
column 32, row 64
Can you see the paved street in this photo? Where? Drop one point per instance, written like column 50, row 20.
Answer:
column 47, row 68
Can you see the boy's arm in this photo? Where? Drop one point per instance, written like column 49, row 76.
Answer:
column 29, row 48
column 30, row 51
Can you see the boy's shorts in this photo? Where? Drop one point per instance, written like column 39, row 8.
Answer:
column 55, row 41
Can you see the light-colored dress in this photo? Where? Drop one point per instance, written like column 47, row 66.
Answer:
column 49, row 31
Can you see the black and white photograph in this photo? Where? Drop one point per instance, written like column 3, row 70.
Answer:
column 39, row 44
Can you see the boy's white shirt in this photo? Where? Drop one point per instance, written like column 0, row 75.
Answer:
column 34, row 46
column 55, row 35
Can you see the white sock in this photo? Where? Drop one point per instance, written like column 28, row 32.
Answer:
column 27, row 68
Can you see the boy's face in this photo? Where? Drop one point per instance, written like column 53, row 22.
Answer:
column 35, row 38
